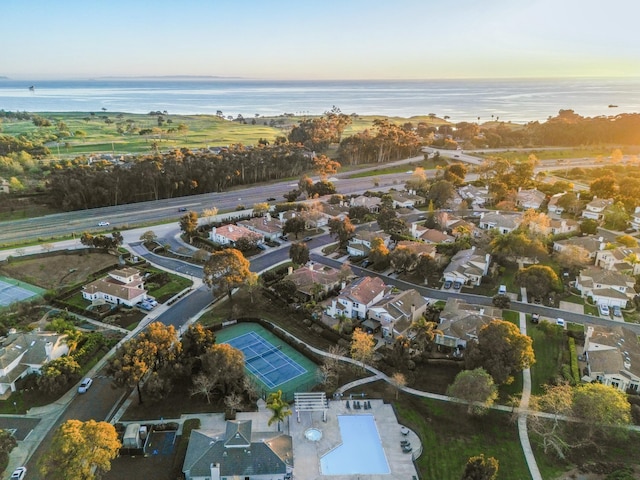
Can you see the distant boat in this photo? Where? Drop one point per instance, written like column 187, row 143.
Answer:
column 613, row 106
column 32, row 88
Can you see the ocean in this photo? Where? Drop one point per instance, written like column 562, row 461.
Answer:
column 518, row 101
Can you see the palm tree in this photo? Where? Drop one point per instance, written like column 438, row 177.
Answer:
column 279, row 408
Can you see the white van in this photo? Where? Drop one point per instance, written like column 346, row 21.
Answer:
column 502, row 290
column 561, row 323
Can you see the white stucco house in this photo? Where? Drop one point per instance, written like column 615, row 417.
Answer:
column 502, row 222
column 124, row 286
column 594, row 210
column 468, row 267
column 356, row 298
column 360, row 244
column 606, row 287
column 612, row 355
column 529, row 198
column 24, row 353
column 230, row 234
column 397, row 311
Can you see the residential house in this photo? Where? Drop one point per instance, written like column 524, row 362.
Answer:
column 418, row 248
column 397, row 311
column 502, row 222
column 468, row 267
column 124, row 286
column 24, row 353
column 552, row 206
column 230, row 234
column 429, row 235
column 4, row 186
column 606, row 287
column 476, row 196
column 590, row 243
column 595, row 209
column 355, row 299
column 360, row 244
column 371, row 203
column 529, row 198
column 555, row 226
column 460, row 323
column 238, row 452
column 612, row 354
column 406, row 199
column 339, row 211
column 635, row 219
column 620, row 259
column 314, row 280
column 267, row 227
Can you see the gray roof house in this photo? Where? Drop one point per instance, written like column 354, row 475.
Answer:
column 504, row 223
column 360, row 244
column 590, row 243
column 529, row 198
column 397, row 311
column 25, row 353
column 238, row 453
column 594, row 210
column 460, row 322
column 613, row 357
column 468, row 267
column 606, row 287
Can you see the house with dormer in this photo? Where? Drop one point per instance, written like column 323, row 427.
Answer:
column 468, row 267
column 606, row 287
column 228, row 235
column 594, row 210
column 124, row 286
column 503, row 222
column 360, row 244
column 238, row 453
column 396, row 311
column 24, row 353
column 429, row 235
column 356, row 298
column 529, row 198
column 612, row 354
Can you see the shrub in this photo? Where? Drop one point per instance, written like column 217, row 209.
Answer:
column 573, row 358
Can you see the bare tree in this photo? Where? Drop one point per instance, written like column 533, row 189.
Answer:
column 203, row 385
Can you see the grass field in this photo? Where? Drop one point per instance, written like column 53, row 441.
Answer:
column 99, row 136
column 559, row 153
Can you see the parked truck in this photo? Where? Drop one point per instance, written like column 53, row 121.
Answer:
column 132, row 437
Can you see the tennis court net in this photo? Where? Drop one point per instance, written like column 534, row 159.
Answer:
column 262, row 354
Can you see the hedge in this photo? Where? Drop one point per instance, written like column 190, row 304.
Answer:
column 573, row 356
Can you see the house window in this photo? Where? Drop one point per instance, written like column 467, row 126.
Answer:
column 634, row 387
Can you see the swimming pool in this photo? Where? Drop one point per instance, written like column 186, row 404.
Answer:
column 361, row 451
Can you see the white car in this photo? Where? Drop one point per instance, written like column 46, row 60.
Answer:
column 19, row 473
column 103, row 224
column 84, row 385
column 604, row 310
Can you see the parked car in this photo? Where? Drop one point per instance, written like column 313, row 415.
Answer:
column 502, row 290
column 84, row 386
column 535, row 318
column 560, row 322
column 103, row 224
column 604, row 310
column 617, row 312
column 261, row 246
column 19, row 473
column 365, row 264
column 457, row 285
column 447, row 284
column 308, row 239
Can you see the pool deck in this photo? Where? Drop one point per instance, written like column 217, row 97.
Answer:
column 307, row 453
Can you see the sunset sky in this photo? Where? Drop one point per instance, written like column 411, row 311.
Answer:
column 313, row 39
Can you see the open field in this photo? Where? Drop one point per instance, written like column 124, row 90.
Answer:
column 110, row 132
column 559, row 153
column 57, row 270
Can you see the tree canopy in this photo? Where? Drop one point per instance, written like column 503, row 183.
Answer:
column 225, row 270
column 80, row 451
column 501, row 350
column 476, row 387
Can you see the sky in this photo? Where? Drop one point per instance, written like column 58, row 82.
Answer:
column 319, row 39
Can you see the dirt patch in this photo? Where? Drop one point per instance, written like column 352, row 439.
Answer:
column 58, row 270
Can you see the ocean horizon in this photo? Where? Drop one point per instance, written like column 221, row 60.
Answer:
column 510, row 100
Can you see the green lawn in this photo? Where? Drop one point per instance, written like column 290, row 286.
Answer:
column 560, row 153
column 450, row 436
column 549, row 352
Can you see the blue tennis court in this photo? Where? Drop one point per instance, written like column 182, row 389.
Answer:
column 14, row 291
column 266, row 361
